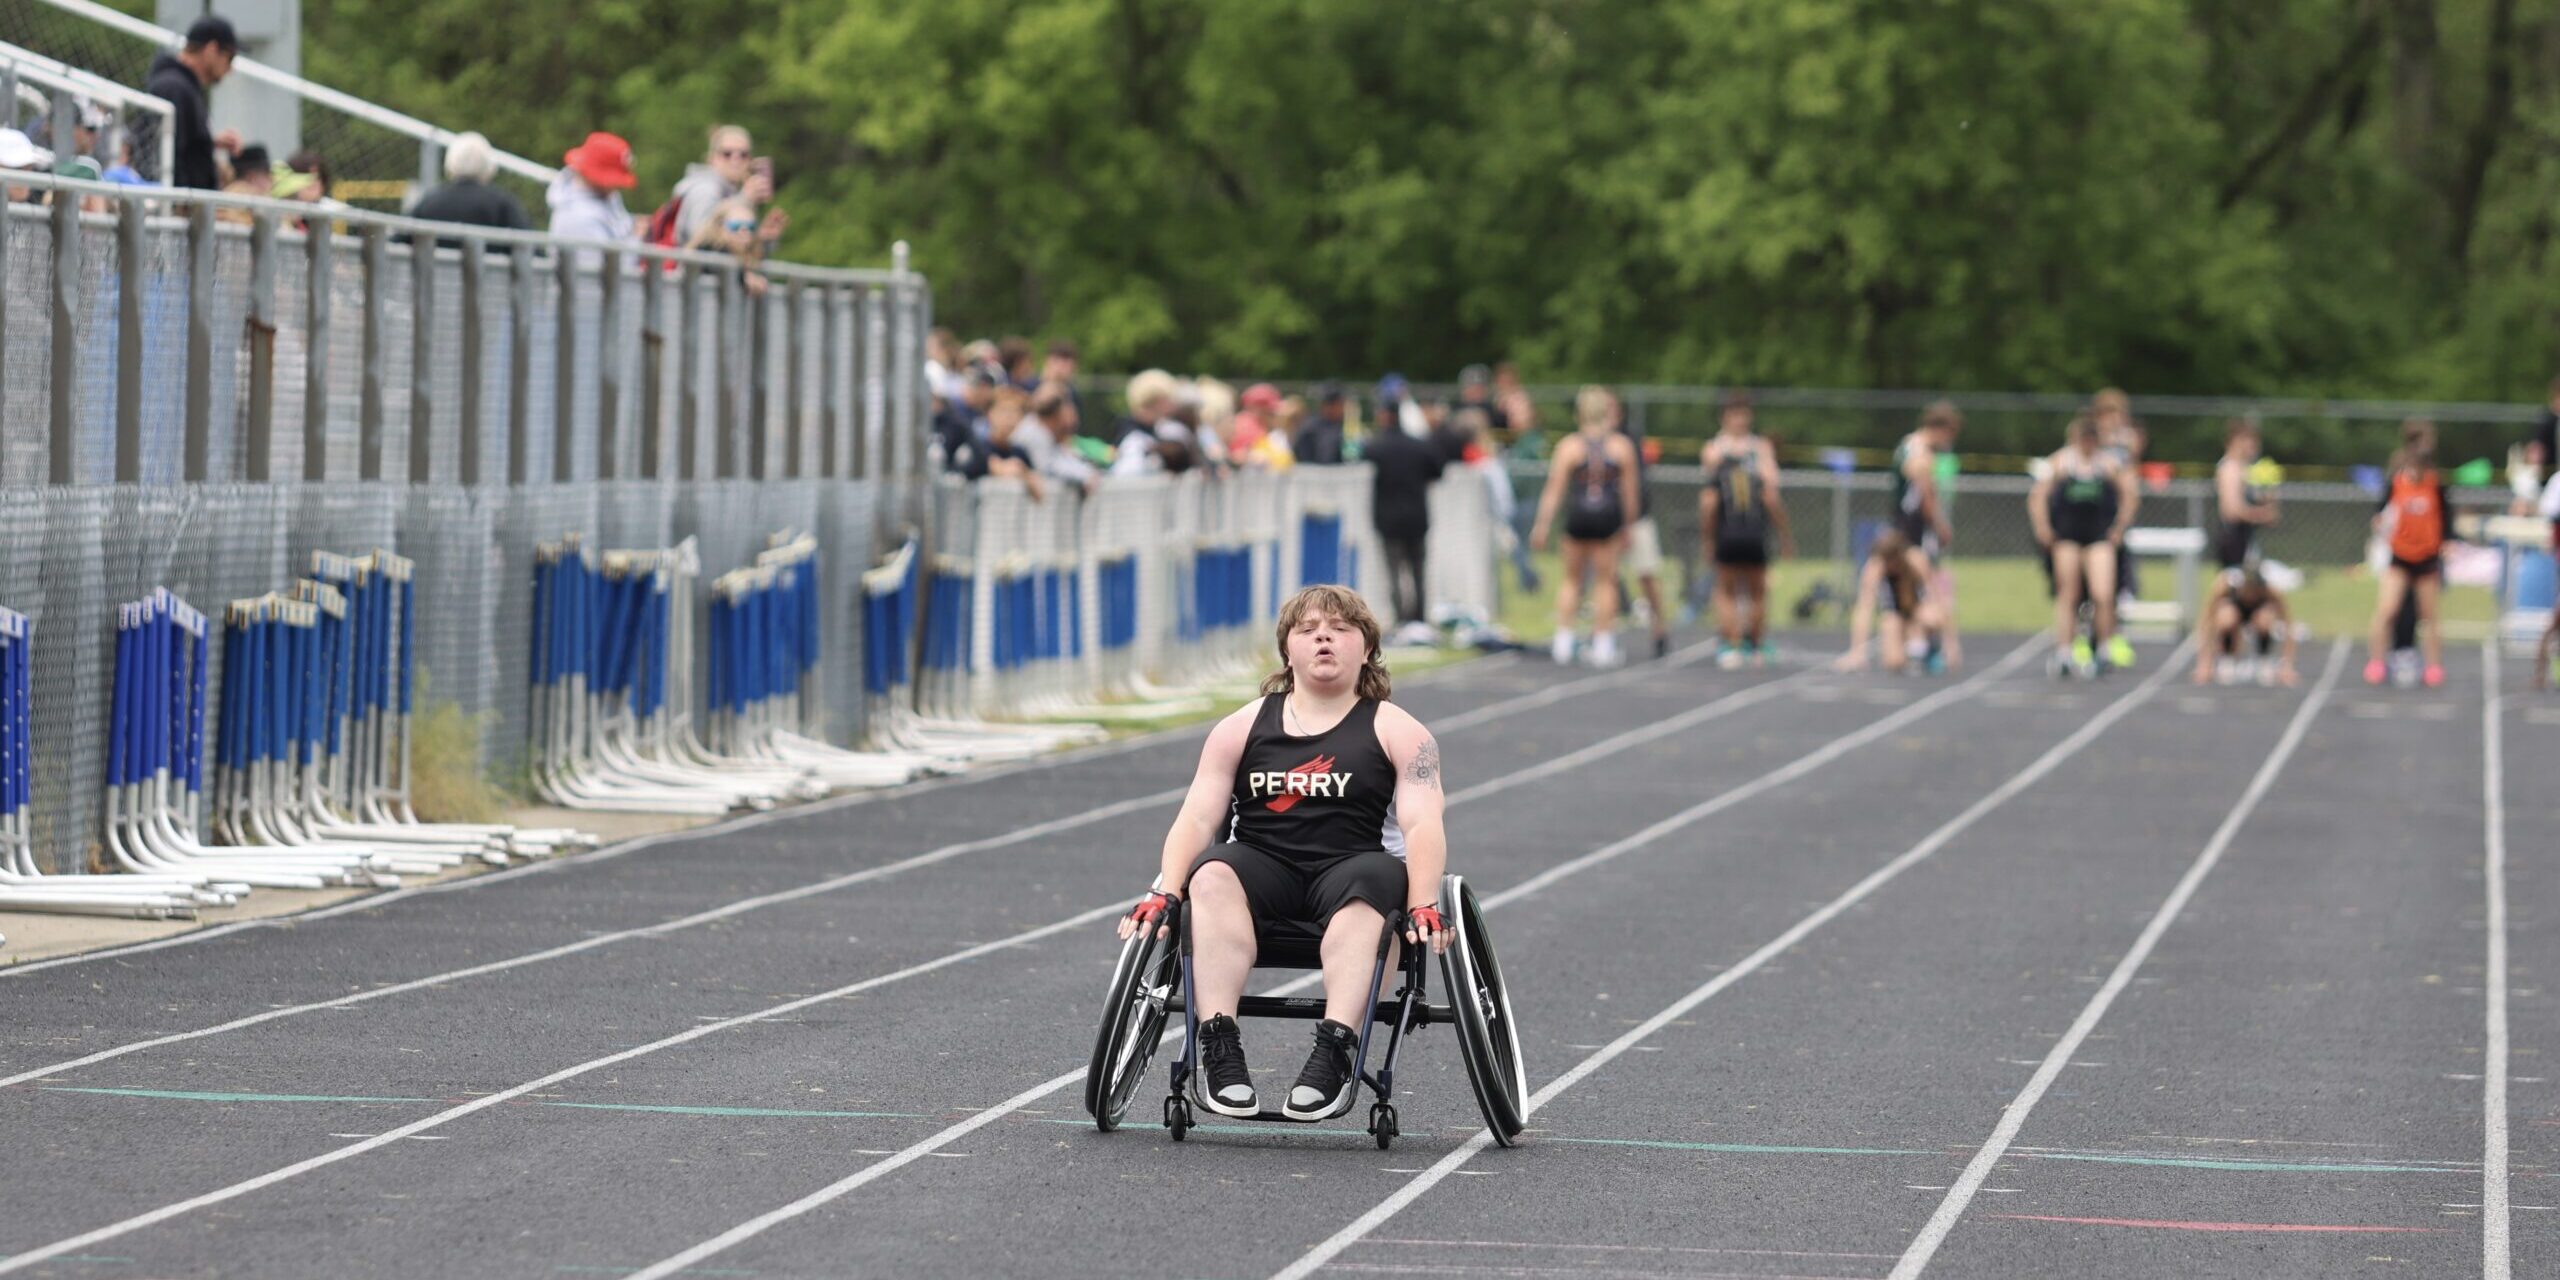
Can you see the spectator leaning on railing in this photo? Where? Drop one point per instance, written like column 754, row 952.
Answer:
column 730, row 170
column 732, row 230
column 182, row 78
column 466, row 196
column 586, row 197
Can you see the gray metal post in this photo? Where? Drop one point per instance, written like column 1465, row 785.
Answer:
column 757, row 316
column 369, row 412
column 519, row 362
column 475, row 258
column 724, row 378
column 315, row 368
column 66, row 340
column 564, row 368
column 904, row 459
column 131, row 271
column 688, row 360
column 201, row 249
column 261, row 446
column 6, row 225
column 795, row 422
column 1846, row 569
column 422, row 360
column 430, row 163
column 830, row 405
column 608, row 364
column 653, row 341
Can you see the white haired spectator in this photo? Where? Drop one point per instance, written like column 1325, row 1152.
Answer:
column 466, row 197
column 1143, row 443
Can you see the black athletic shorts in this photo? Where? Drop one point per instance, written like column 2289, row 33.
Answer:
column 1310, row 892
column 1743, row 553
column 2432, row 566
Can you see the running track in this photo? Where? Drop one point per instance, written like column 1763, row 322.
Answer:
column 1820, row 976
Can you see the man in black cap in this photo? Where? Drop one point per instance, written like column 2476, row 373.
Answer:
column 182, row 78
column 1318, row 439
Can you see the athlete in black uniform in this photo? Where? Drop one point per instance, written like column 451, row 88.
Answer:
column 2245, row 620
column 2242, row 507
column 1920, row 514
column 2079, row 508
column 1895, row 605
column 1738, row 512
column 1592, row 478
column 1319, row 802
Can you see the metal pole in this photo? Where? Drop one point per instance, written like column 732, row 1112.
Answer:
column 864, row 308
column 201, row 248
column 688, row 388
column 652, row 362
column 474, row 264
column 66, row 340
column 315, row 368
column 609, row 365
column 131, row 271
column 1848, row 573
column 370, row 409
column 519, row 361
column 794, row 420
column 422, row 360
column 261, row 445
column 724, row 377
column 830, row 405
column 564, row 367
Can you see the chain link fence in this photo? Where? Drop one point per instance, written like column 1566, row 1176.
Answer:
column 199, row 396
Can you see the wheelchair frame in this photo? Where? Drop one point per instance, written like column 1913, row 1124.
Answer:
column 1143, row 995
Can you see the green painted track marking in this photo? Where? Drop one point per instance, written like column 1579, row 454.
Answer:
column 1751, row 1148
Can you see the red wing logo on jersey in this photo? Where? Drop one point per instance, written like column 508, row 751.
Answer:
column 1297, row 784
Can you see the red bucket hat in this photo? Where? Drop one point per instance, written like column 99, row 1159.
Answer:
column 604, row 160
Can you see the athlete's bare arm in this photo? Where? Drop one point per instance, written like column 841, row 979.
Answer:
column 1205, row 804
column 1862, row 616
column 1420, row 802
column 1630, row 499
column 2128, row 501
column 2039, row 502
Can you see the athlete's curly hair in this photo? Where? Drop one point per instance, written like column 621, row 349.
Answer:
column 1343, row 603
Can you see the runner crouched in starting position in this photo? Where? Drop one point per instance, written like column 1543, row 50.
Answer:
column 1318, row 802
column 1738, row 511
column 1894, row 588
column 2246, row 622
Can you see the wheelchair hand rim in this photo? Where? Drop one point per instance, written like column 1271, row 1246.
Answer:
column 1481, row 1002
column 1133, row 1019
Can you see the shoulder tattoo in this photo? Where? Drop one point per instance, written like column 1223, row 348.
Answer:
column 1425, row 768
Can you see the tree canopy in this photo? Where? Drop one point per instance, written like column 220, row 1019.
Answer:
column 2327, row 197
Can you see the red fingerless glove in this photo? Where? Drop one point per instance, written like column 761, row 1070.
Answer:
column 1153, row 907
column 1427, row 919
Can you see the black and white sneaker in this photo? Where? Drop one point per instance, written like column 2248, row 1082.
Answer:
column 1326, row 1084
column 1224, row 1086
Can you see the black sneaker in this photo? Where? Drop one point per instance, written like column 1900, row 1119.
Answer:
column 1224, row 1086
column 1661, row 647
column 1326, row 1083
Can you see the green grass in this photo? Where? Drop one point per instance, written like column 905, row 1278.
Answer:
column 2003, row 595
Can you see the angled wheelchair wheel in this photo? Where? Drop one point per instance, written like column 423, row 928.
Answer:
column 1133, row 1018
column 1481, row 1002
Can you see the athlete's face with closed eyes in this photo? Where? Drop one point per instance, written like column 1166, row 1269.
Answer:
column 1326, row 652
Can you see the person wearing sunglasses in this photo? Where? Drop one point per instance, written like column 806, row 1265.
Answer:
column 730, row 170
column 734, row 229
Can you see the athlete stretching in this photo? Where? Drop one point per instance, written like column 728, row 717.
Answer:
column 1319, row 802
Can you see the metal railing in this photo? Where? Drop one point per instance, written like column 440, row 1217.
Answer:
column 54, row 90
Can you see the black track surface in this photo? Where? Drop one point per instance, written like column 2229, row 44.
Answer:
column 2289, row 1086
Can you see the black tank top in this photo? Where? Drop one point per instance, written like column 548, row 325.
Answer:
column 1741, row 513
column 1315, row 798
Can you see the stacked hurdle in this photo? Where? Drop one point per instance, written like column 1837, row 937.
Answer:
column 612, row 683
column 355, row 766
column 156, row 793
column 766, row 642
column 22, row 886
column 918, row 706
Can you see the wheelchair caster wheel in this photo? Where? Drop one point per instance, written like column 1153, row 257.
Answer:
column 1382, row 1124
column 1177, row 1117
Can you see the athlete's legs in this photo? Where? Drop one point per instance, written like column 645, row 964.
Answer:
column 2098, row 570
column 2394, row 584
column 1350, row 950
column 2222, row 636
column 1604, row 574
column 2542, row 651
column 1222, row 946
column 2066, row 593
column 1755, row 584
column 2430, row 588
column 1893, row 641
column 1577, row 562
column 1728, row 609
column 1942, row 598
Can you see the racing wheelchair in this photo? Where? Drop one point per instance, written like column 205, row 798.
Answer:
column 1152, row 983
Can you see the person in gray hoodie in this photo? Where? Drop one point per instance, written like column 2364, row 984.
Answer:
column 727, row 171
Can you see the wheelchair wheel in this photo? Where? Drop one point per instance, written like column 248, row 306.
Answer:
column 1133, row 1017
column 1487, row 1037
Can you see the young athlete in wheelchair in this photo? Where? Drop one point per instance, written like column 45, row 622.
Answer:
column 1311, row 839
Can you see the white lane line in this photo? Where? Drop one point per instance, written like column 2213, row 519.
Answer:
column 1333, row 1245
column 816, row 808
column 21, row 1261
column 1605, row 747
column 869, row 1173
column 2495, row 1260
column 1960, row 1193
